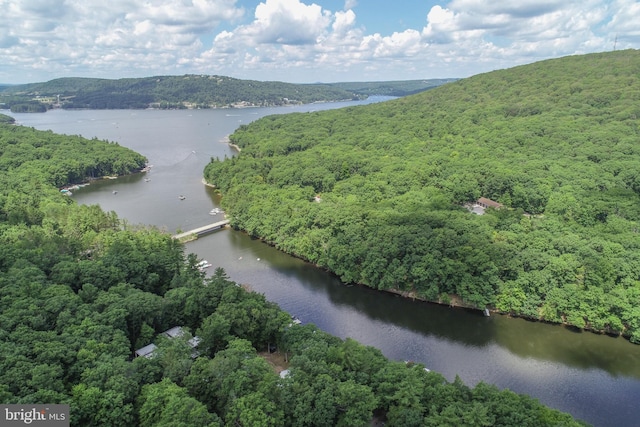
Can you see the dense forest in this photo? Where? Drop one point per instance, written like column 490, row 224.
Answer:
column 377, row 193
column 28, row 107
column 392, row 88
column 81, row 291
column 192, row 91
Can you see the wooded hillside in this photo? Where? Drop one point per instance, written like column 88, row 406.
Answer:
column 376, row 193
column 392, row 88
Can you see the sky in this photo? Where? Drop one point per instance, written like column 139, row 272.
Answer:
column 302, row 41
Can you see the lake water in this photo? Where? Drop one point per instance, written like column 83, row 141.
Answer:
column 594, row 377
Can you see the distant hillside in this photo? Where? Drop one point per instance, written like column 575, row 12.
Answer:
column 392, row 88
column 376, row 193
column 189, row 91
column 193, row 91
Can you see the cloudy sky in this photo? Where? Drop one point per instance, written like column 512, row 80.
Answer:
column 302, row 41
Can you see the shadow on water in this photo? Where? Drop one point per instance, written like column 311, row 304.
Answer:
column 524, row 338
column 567, row 345
column 468, row 327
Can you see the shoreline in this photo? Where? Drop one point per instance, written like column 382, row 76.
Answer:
column 204, row 181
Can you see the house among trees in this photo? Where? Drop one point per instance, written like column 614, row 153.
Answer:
column 488, row 203
column 146, row 351
column 481, row 204
column 175, row 332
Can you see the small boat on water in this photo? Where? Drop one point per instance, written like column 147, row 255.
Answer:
column 115, row 192
column 215, row 211
column 181, row 197
column 202, row 265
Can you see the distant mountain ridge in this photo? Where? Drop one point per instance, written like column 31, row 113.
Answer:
column 196, row 91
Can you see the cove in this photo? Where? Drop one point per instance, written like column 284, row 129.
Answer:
column 594, row 377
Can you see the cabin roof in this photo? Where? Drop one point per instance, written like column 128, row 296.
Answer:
column 174, row 332
column 489, row 203
column 146, row 351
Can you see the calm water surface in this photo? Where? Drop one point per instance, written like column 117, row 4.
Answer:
column 595, row 378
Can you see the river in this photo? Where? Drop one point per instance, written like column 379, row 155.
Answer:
column 596, row 378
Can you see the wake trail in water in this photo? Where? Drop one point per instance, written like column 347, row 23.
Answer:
column 194, row 154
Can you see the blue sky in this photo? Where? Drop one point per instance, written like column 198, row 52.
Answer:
column 302, row 41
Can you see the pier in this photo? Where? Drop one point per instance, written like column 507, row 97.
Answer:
column 201, row 231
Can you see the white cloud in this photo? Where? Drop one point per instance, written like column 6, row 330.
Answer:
column 343, row 21
column 510, row 33
column 287, row 22
column 186, row 16
column 350, row 4
column 513, row 9
column 624, row 23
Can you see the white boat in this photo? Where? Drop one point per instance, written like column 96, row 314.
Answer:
column 202, row 265
column 214, row 211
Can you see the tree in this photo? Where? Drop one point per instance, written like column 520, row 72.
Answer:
column 166, row 404
column 254, row 410
column 355, row 403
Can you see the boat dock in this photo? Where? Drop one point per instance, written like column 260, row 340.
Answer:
column 201, row 231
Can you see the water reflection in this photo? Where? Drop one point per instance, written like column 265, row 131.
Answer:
column 579, row 349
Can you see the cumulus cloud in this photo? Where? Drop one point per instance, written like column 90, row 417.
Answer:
column 287, row 22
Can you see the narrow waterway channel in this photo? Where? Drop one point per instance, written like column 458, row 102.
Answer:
column 594, row 377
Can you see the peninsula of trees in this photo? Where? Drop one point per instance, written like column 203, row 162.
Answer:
column 377, row 193
column 80, row 291
column 191, row 91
